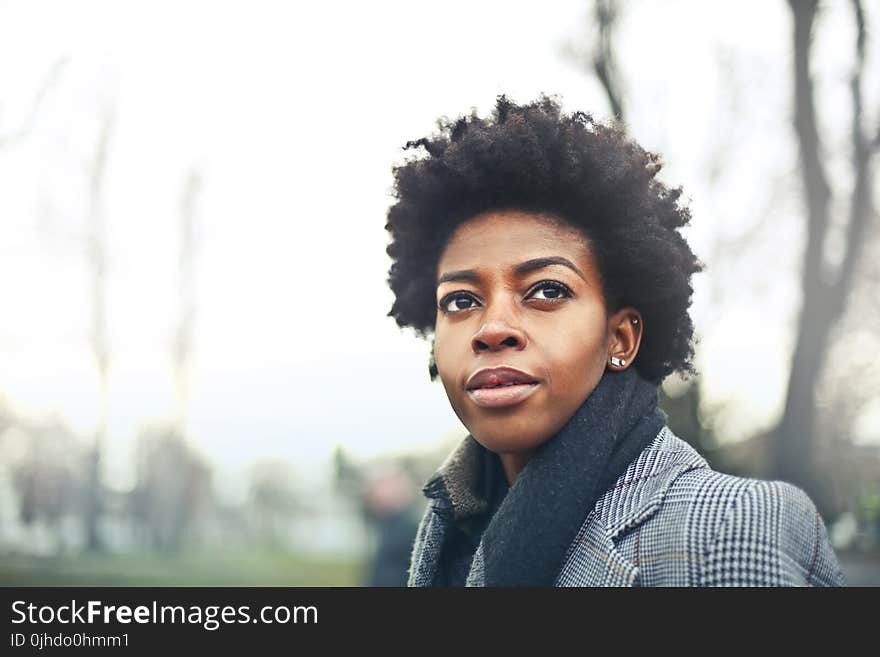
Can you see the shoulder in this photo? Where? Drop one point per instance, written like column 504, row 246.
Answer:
column 769, row 533
column 743, row 531
column 683, row 523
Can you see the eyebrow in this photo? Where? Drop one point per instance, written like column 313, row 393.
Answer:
column 521, row 269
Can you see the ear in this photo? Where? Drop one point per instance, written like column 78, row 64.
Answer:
column 625, row 329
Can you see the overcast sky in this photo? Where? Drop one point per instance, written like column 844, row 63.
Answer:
column 293, row 113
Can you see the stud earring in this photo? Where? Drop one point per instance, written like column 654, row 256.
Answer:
column 619, row 362
column 635, row 320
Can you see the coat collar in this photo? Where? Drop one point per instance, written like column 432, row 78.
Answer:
column 639, row 492
column 463, row 475
column 635, row 496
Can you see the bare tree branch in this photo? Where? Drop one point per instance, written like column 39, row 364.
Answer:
column 861, row 203
column 49, row 81
column 604, row 62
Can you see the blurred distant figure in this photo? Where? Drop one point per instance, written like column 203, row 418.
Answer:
column 388, row 497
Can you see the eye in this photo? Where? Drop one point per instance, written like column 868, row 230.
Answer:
column 454, row 302
column 553, row 291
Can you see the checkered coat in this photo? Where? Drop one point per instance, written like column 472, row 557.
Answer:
column 670, row 520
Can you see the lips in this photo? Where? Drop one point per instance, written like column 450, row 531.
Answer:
column 499, row 376
column 500, row 386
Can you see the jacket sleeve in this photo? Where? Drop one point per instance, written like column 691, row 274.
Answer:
column 421, row 543
column 771, row 535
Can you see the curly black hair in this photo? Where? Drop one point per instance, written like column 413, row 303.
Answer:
column 534, row 158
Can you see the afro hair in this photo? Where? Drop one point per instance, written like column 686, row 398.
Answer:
column 534, row 158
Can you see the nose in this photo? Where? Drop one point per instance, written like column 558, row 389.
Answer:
column 498, row 332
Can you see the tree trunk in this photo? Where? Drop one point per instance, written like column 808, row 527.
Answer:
column 824, row 292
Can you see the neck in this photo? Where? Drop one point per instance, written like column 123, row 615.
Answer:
column 513, row 463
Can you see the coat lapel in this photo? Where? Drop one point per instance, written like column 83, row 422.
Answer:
column 593, row 559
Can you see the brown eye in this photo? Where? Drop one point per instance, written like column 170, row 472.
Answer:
column 553, row 290
column 456, row 302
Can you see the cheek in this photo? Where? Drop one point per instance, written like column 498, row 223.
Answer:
column 578, row 360
column 444, row 359
column 449, row 372
column 584, row 344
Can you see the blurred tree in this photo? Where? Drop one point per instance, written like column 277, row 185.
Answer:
column 848, row 414
column 789, row 451
column 183, row 340
column 273, row 502
column 97, row 258
column 347, row 475
column 604, row 60
column 7, row 417
column 12, row 137
column 688, row 421
column 825, row 289
column 601, row 60
column 173, row 489
column 48, row 475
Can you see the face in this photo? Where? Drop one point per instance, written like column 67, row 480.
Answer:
column 521, row 291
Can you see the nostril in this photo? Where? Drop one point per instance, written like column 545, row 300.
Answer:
column 510, row 341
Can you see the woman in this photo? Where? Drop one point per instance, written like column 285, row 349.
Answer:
column 544, row 257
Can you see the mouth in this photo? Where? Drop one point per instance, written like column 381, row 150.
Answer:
column 500, row 386
column 502, row 395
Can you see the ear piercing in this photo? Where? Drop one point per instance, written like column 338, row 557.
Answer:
column 620, row 362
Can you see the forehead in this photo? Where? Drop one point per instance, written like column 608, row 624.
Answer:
column 505, row 238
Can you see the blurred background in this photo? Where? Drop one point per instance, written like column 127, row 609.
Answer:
column 198, row 380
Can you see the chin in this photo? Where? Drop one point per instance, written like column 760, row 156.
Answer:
column 509, row 442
